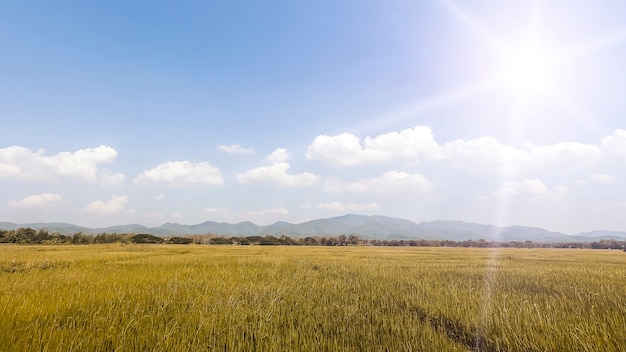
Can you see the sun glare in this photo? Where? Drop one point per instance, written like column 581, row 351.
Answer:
column 528, row 70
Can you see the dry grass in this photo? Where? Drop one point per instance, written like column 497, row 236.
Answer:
column 228, row 298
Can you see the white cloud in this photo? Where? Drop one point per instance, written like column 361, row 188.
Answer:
column 277, row 174
column 236, row 149
column 159, row 196
column 36, row 200
column 564, row 154
column 411, row 145
column 602, row 178
column 525, row 187
column 389, row 182
column 341, row 207
column 615, row 145
column 279, row 155
column 106, row 178
column 484, row 154
column 84, row 165
column 179, row 173
column 114, row 205
column 342, row 150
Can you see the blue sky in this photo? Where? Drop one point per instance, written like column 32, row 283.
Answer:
column 500, row 112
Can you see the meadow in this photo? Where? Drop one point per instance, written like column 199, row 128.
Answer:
column 278, row 298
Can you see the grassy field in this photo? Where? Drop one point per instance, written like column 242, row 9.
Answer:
column 267, row 298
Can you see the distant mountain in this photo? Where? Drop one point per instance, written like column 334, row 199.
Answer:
column 602, row 234
column 456, row 230
column 460, row 231
column 9, row 226
column 171, row 228
column 131, row 228
column 367, row 227
column 364, row 226
column 48, row 226
column 245, row 228
column 535, row 234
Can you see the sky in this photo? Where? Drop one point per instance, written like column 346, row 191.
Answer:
column 148, row 112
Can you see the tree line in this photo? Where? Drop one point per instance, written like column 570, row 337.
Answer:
column 28, row 235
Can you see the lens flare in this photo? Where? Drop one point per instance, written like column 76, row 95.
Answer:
column 528, row 70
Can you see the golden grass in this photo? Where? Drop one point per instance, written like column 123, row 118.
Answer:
column 247, row 298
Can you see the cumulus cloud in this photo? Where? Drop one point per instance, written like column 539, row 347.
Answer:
column 179, row 173
column 484, row 154
column 389, row 182
column 615, row 145
column 83, row 165
column 488, row 154
column 564, row 154
column 236, row 149
column 341, row 207
column 602, row 178
column 412, row 145
column 36, row 200
column 106, row 178
column 526, row 187
column 279, row 155
column 277, row 174
column 114, row 205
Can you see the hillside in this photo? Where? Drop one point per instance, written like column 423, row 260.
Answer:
column 367, row 227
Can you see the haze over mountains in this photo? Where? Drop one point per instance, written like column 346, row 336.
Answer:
column 367, row 227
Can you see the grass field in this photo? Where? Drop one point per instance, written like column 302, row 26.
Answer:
column 262, row 298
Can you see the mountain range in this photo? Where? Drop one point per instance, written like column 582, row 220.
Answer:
column 366, row 227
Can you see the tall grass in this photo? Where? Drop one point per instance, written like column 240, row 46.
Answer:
column 229, row 298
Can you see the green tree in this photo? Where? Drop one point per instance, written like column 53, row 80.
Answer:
column 220, row 240
column 146, row 238
column 80, row 238
column 179, row 240
column 310, row 241
column 353, row 240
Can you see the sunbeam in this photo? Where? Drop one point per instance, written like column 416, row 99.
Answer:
column 422, row 106
column 531, row 71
